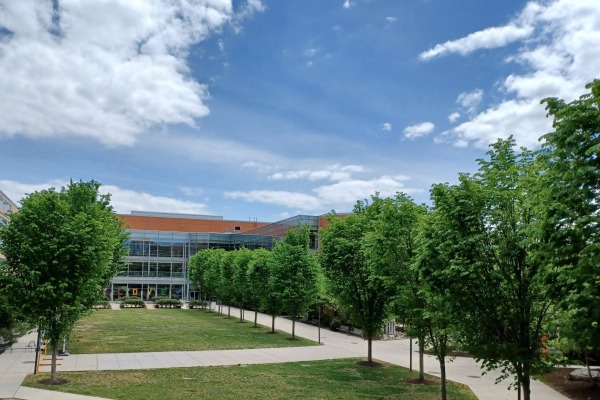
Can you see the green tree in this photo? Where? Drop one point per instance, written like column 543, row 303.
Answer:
column 390, row 245
column 433, row 311
column 572, row 205
column 259, row 273
column 293, row 277
column 495, row 274
column 226, row 290
column 353, row 281
column 240, row 284
column 212, row 273
column 62, row 248
column 197, row 266
column 11, row 325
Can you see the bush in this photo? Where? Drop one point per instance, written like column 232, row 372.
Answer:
column 198, row 304
column 130, row 298
column 102, row 304
column 335, row 324
column 131, row 302
column 167, row 303
column 159, row 298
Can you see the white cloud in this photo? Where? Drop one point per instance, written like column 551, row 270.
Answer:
column 123, row 200
column 311, row 52
column 260, row 167
column 212, row 149
column 418, row 130
column 386, row 126
column 282, row 198
column 391, row 19
column 334, row 172
column 192, row 191
column 487, row 39
column 346, row 4
column 60, row 77
column 454, row 117
column 340, row 195
column 559, row 57
column 514, row 117
column 470, row 100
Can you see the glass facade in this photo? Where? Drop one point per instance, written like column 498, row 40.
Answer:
column 156, row 264
column 280, row 228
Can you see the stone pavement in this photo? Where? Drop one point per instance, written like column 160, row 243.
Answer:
column 14, row 367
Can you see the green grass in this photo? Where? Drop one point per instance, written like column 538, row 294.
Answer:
column 331, row 379
column 143, row 330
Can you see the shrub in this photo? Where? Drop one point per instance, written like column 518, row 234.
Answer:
column 198, row 304
column 130, row 298
column 159, row 298
column 102, row 304
column 335, row 324
column 167, row 303
column 130, row 302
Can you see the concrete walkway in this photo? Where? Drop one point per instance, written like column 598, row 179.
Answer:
column 14, row 367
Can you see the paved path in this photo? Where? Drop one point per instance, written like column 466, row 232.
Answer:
column 14, row 367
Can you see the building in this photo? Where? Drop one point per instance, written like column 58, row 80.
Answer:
column 6, row 206
column 161, row 245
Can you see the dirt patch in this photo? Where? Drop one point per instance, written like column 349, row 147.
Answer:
column 417, row 381
column 559, row 380
column 59, row 381
column 373, row 364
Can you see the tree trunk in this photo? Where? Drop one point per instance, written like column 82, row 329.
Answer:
column 421, row 359
column 272, row 323
column 293, row 328
column 443, row 376
column 53, row 367
column 228, row 310
column 255, row 317
column 587, row 364
column 370, row 348
column 241, row 315
column 526, row 382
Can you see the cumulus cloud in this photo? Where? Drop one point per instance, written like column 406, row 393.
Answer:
column 103, row 70
column 123, row 200
column 418, row 130
column 346, row 4
column 470, row 100
column 334, row 172
column 386, row 126
column 454, row 117
column 341, row 195
column 559, row 56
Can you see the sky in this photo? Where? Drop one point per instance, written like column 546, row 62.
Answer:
column 266, row 109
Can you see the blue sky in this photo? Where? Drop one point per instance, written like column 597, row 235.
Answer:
column 268, row 109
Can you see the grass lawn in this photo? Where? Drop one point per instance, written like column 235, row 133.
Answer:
column 331, row 379
column 143, row 330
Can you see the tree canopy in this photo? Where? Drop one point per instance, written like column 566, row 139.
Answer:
column 293, row 277
column 62, row 248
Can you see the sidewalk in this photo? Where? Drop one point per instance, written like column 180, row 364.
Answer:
column 14, row 367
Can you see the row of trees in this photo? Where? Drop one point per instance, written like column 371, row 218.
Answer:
column 285, row 278
column 492, row 258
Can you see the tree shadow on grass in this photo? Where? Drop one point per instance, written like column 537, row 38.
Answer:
column 58, row 381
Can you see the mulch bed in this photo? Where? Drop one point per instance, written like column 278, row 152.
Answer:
column 559, row 380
